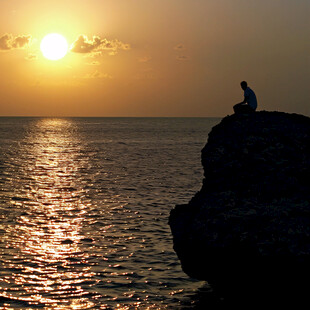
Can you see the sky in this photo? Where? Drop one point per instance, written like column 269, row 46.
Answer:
column 154, row 58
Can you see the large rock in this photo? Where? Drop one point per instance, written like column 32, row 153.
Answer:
column 249, row 225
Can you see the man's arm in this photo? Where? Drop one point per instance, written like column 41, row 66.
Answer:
column 245, row 100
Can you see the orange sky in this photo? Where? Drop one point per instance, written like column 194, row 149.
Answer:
column 154, row 57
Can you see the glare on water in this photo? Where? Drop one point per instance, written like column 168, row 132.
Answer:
column 47, row 233
column 84, row 206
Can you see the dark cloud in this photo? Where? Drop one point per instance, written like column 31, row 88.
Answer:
column 8, row 41
column 4, row 42
column 31, row 57
column 84, row 45
column 94, row 63
column 144, row 59
column 97, row 75
column 182, row 57
column 179, row 47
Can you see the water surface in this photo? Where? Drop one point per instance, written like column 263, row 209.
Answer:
column 84, row 206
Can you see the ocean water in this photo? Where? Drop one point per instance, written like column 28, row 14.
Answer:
column 84, row 207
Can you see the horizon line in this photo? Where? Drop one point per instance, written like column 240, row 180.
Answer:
column 27, row 116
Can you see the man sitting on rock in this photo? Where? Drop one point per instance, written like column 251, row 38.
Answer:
column 249, row 104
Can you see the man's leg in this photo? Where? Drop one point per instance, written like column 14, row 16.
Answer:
column 242, row 108
column 238, row 108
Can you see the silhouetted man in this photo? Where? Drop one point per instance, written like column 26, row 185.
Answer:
column 249, row 104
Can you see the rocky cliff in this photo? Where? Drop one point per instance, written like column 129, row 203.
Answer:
column 250, row 222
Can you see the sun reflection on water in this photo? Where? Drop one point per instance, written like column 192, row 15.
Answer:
column 48, row 231
column 83, row 214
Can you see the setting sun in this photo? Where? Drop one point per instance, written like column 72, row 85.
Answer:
column 54, row 46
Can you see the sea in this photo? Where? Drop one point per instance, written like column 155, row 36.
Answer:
column 84, row 208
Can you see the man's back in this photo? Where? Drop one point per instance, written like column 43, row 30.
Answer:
column 250, row 98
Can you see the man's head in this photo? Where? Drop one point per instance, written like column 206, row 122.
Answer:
column 244, row 85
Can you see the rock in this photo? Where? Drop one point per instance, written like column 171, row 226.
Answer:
column 249, row 225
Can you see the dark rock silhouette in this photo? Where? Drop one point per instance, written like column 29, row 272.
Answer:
column 248, row 228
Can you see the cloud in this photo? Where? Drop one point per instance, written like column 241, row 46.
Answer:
column 179, row 47
column 9, row 42
column 31, row 57
column 94, row 63
column 146, row 74
column 182, row 58
column 144, row 59
column 97, row 75
column 5, row 42
column 93, row 55
column 84, row 45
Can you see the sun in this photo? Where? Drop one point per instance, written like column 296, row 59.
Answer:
column 54, row 46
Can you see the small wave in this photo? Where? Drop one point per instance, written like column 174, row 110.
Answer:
column 87, row 240
column 16, row 198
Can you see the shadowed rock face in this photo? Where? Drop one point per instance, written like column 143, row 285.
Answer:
column 250, row 222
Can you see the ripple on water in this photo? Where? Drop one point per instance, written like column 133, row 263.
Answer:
column 83, row 211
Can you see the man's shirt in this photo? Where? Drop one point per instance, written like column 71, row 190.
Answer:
column 250, row 98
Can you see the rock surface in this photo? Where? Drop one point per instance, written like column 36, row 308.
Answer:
column 249, row 225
